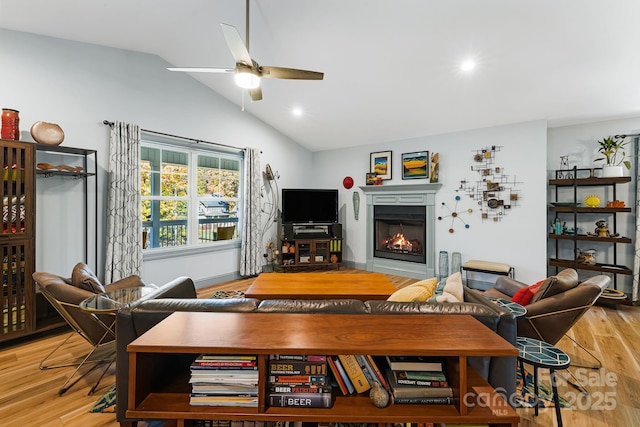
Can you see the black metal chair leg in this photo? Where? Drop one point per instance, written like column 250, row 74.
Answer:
column 95, row 386
column 535, row 388
column 556, row 398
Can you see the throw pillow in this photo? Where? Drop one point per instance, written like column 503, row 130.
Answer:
column 450, row 290
column 525, row 294
column 417, row 292
column 82, row 277
column 429, row 284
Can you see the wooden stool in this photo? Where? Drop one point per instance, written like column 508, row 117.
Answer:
column 488, row 267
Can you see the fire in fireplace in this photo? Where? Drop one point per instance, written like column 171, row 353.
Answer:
column 399, row 243
column 400, row 233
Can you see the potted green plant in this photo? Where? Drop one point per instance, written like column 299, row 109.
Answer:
column 614, row 156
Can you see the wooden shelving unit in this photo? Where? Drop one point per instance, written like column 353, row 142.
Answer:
column 573, row 212
column 158, row 385
column 88, row 160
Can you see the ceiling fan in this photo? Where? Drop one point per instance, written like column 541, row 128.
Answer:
column 248, row 72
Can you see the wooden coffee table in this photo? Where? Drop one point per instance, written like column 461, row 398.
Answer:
column 363, row 287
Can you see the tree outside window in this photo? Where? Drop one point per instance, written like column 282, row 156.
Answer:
column 183, row 205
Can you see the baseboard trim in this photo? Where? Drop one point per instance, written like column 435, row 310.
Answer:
column 214, row 280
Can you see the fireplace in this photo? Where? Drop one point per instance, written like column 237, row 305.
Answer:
column 401, row 229
column 399, row 233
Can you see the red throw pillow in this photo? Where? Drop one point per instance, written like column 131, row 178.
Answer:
column 524, row 295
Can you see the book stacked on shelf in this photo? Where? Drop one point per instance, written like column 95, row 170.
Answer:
column 224, row 380
column 299, row 381
column 356, row 373
column 418, row 379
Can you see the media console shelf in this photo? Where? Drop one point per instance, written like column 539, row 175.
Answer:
column 160, row 358
column 311, row 252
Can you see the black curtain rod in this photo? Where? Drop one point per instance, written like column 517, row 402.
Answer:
column 625, row 136
column 197, row 141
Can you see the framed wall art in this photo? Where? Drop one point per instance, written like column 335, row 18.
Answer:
column 415, row 165
column 381, row 164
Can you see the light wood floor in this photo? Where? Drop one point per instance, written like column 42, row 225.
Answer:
column 29, row 397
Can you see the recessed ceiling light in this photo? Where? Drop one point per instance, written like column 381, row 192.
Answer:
column 297, row 111
column 467, row 65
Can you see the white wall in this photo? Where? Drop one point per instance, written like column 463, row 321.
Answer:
column 579, row 142
column 78, row 85
column 518, row 239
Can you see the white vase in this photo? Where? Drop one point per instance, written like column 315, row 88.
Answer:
column 612, row 171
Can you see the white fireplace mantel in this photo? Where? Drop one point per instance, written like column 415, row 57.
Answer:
column 403, row 195
column 400, row 189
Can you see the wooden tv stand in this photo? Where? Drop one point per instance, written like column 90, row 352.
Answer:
column 160, row 359
column 311, row 252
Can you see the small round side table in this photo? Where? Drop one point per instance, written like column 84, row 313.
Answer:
column 540, row 354
column 112, row 302
column 513, row 307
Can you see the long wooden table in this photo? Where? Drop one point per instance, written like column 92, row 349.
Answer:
column 363, row 287
column 160, row 360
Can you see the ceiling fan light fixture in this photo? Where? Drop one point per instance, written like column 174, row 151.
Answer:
column 246, row 79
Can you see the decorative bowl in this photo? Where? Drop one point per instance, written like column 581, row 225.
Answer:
column 47, row 133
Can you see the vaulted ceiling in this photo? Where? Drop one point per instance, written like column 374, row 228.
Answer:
column 392, row 67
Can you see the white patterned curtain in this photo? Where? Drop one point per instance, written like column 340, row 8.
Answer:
column 251, row 246
column 635, row 294
column 124, row 235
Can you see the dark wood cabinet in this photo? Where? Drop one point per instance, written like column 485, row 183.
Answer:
column 17, row 240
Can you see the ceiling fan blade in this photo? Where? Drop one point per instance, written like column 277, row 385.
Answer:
column 201, row 69
column 236, row 45
column 256, row 94
column 290, row 73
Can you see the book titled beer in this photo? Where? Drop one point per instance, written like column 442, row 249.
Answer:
column 300, row 400
column 297, row 368
column 286, row 388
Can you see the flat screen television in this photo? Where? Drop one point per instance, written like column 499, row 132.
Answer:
column 309, row 206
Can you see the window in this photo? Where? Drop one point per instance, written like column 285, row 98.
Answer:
column 189, row 196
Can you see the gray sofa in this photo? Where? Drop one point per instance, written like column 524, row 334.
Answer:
column 180, row 295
